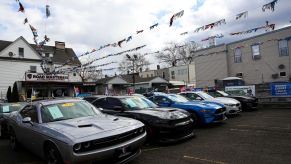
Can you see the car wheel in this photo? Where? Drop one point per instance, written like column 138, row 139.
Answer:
column 52, row 154
column 195, row 119
column 14, row 144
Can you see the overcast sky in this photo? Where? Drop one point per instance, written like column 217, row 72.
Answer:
column 86, row 24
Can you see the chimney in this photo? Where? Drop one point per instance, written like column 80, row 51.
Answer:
column 60, row 45
column 158, row 67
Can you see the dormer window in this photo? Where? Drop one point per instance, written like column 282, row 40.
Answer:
column 21, row 52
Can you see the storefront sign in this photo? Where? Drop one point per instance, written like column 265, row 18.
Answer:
column 281, row 89
column 242, row 90
column 46, row 77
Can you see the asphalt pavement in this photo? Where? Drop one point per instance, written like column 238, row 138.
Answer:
column 262, row 136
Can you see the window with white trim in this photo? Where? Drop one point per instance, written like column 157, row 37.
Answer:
column 283, row 48
column 256, row 51
column 238, row 55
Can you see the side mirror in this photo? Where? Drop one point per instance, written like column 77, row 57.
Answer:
column 101, row 109
column 27, row 120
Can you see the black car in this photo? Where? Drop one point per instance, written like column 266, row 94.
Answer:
column 163, row 125
column 247, row 102
column 5, row 110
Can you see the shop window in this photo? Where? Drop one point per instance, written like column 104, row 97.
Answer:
column 283, row 48
column 282, row 74
column 21, row 52
column 256, row 52
column 32, row 69
column 237, row 55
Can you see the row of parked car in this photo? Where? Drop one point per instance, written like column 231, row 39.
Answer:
column 111, row 129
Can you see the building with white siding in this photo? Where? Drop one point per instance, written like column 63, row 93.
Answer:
column 21, row 63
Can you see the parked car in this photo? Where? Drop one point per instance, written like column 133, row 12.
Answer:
column 233, row 107
column 92, row 98
column 5, row 110
column 163, row 124
column 247, row 102
column 74, row 131
column 201, row 112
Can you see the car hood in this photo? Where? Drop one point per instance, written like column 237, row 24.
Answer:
column 202, row 105
column 163, row 113
column 224, row 100
column 88, row 126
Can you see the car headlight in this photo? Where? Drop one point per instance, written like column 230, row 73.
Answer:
column 86, row 145
column 231, row 105
column 77, row 147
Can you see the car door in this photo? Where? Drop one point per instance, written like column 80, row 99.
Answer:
column 29, row 132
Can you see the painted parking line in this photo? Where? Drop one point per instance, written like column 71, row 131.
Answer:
column 204, row 160
column 264, row 127
column 151, row 149
column 240, row 130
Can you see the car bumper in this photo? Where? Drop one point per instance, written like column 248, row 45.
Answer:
column 119, row 153
column 214, row 118
column 233, row 110
column 250, row 105
column 175, row 134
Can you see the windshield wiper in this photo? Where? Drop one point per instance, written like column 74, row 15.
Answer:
column 62, row 118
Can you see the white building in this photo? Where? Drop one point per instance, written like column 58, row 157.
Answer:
column 21, row 63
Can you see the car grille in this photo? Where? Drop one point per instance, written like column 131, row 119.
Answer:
column 220, row 110
column 113, row 140
column 237, row 104
column 177, row 132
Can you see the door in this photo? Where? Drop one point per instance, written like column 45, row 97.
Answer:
column 28, row 132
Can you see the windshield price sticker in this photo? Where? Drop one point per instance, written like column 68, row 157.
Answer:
column 55, row 112
column 68, row 104
column 5, row 109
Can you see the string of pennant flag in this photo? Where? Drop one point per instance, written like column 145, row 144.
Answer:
column 269, row 6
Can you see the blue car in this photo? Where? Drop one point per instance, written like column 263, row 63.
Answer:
column 202, row 112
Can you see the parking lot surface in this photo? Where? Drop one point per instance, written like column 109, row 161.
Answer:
column 262, row 136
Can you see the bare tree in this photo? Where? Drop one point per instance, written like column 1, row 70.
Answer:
column 88, row 74
column 140, row 63
column 176, row 54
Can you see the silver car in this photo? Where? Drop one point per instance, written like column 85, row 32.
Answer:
column 74, row 131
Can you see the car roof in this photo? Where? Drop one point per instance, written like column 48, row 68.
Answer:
column 57, row 101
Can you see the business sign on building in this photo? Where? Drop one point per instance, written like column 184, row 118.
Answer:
column 242, row 90
column 281, row 89
column 46, row 77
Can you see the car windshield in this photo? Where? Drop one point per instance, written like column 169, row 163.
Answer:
column 205, row 96
column 135, row 103
column 68, row 110
column 11, row 107
column 218, row 93
column 178, row 98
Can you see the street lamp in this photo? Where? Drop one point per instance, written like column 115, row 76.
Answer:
column 133, row 66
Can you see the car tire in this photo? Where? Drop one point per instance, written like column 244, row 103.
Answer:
column 52, row 154
column 13, row 143
column 195, row 119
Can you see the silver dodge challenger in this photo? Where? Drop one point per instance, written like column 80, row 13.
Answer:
column 74, row 131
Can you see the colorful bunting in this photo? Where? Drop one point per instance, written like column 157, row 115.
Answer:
column 212, row 37
column 120, row 42
column 184, row 33
column 267, row 27
column 175, row 16
column 269, row 6
column 48, row 13
column 129, row 38
column 21, row 8
column 153, row 26
column 211, row 25
column 140, row 31
column 25, row 21
column 241, row 15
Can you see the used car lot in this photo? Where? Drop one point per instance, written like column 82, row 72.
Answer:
column 261, row 136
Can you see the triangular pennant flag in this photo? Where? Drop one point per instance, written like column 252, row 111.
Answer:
column 25, row 21
column 140, row 31
column 21, row 8
column 48, row 13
